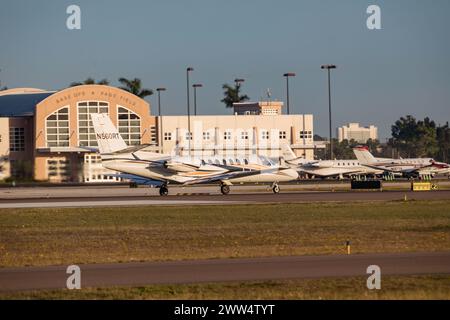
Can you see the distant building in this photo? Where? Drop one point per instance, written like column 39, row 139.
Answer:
column 265, row 108
column 356, row 132
column 227, row 135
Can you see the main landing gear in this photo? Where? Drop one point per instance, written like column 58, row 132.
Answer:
column 163, row 190
column 276, row 188
column 225, row 189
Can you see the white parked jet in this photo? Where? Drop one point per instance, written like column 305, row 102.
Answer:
column 327, row 168
column 412, row 167
column 160, row 170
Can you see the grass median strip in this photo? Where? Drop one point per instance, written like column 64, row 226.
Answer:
column 392, row 287
column 37, row 237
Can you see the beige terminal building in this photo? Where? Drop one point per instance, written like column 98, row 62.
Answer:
column 48, row 135
column 356, row 132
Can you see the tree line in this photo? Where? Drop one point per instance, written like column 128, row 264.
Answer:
column 410, row 138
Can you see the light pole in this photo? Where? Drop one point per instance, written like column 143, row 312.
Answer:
column 328, row 67
column 287, row 75
column 161, row 138
column 189, row 69
column 237, row 83
column 195, row 86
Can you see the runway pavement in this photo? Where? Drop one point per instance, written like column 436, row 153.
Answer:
column 195, row 271
column 130, row 199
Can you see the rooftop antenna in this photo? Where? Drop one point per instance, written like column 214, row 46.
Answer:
column 269, row 95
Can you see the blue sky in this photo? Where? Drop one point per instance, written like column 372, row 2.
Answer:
column 382, row 74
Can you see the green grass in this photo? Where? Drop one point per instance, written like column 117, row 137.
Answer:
column 392, row 287
column 36, row 237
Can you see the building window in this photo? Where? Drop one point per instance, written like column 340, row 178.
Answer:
column 16, row 139
column 153, row 133
column 129, row 125
column 167, row 135
column 244, row 135
column 227, row 135
column 57, row 128
column 265, row 135
column 86, row 133
column 206, row 135
column 58, row 169
column 282, row 135
column 188, row 135
column 305, row 134
column 270, row 112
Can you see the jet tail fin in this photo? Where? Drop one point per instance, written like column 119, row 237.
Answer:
column 287, row 152
column 363, row 155
column 108, row 138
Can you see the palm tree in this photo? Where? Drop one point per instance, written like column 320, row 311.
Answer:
column 90, row 80
column 232, row 95
column 134, row 86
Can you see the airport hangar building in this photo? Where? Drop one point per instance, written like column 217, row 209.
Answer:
column 48, row 135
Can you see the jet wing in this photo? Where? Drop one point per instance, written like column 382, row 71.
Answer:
column 135, row 178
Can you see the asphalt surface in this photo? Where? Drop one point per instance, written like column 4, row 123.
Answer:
column 218, row 199
column 197, row 271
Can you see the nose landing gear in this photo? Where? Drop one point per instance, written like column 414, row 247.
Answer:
column 276, row 188
column 163, row 191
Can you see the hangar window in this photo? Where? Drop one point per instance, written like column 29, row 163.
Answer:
column 16, row 139
column 129, row 125
column 57, row 128
column 86, row 134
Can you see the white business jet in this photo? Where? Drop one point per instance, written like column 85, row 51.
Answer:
column 143, row 166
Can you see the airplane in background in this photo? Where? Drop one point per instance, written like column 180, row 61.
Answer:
column 410, row 168
column 327, row 168
column 155, row 169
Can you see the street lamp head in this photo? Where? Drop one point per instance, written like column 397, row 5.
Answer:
column 239, row 80
column 197, row 85
column 328, row 66
column 190, row 69
column 289, row 74
column 160, row 89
